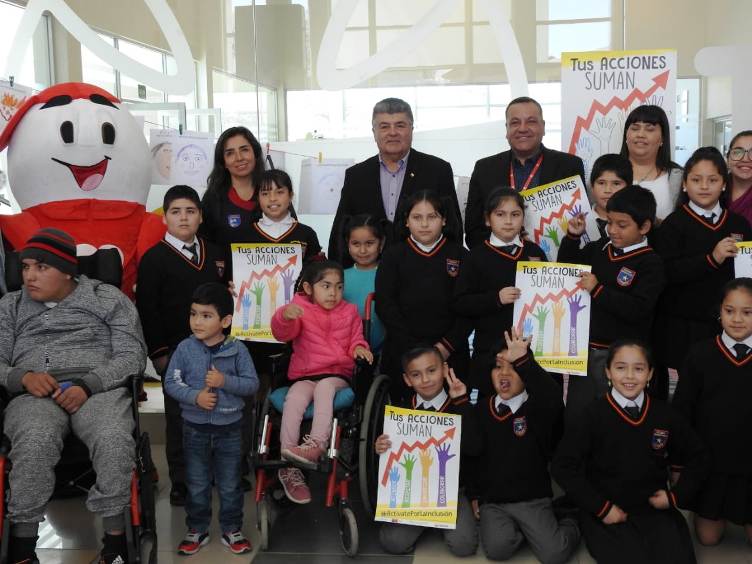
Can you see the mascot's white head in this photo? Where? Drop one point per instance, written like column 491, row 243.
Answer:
column 74, row 141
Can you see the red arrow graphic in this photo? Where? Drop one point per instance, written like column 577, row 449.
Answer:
column 395, row 456
column 538, row 300
column 537, row 233
column 581, row 124
column 246, row 284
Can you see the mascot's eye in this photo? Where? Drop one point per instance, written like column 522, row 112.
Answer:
column 66, row 132
column 108, row 133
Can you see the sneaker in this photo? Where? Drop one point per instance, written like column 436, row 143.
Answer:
column 236, row 542
column 192, row 542
column 293, row 482
column 114, row 551
column 307, row 452
column 112, row 558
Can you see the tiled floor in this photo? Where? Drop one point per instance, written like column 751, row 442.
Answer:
column 306, row 535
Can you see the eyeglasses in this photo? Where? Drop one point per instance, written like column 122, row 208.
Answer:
column 738, row 154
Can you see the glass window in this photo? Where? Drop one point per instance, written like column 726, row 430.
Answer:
column 35, row 69
column 95, row 71
column 130, row 89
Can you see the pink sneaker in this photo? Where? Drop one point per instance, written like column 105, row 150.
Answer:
column 307, row 452
column 293, row 482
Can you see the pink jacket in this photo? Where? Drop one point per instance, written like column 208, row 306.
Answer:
column 323, row 340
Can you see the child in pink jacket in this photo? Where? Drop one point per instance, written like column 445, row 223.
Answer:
column 327, row 336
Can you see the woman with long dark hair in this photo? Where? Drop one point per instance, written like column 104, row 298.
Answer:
column 739, row 158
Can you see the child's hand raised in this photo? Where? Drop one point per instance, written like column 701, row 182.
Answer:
column 615, row 515
column 455, row 386
column 517, row 345
column 726, row 248
column 509, row 295
column 382, row 444
column 576, row 225
column 659, row 500
column 214, row 378
column 364, row 353
column 292, row 311
column 206, row 399
column 588, row 281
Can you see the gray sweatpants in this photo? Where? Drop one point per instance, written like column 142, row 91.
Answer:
column 505, row 526
column 37, row 427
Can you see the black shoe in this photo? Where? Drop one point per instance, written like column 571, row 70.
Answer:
column 178, row 494
column 245, row 484
column 114, row 551
column 21, row 550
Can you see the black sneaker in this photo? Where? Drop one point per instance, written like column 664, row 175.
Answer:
column 21, row 550
column 178, row 493
column 115, row 550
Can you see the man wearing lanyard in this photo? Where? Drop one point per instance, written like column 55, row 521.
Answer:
column 526, row 165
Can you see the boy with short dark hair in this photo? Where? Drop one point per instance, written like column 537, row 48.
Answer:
column 519, row 428
column 210, row 374
column 168, row 274
column 424, row 371
column 610, row 173
column 626, row 280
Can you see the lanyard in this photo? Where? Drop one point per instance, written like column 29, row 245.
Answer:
column 529, row 178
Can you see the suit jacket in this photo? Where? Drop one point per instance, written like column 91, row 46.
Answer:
column 361, row 193
column 493, row 172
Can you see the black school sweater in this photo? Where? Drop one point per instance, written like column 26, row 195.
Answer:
column 516, row 449
column 486, row 271
column 227, row 218
column 714, row 394
column 624, row 300
column 686, row 241
column 165, row 286
column 608, row 458
column 415, row 294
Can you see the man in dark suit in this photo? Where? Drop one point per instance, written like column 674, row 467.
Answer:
column 526, row 165
column 380, row 185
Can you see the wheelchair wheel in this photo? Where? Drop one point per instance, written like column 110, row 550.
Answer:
column 371, row 427
column 263, row 523
column 348, row 530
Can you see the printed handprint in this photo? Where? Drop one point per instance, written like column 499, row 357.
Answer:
column 527, row 327
column 575, row 308
column 545, row 247
column 563, row 224
column 245, row 302
column 287, row 283
column 584, row 150
column 258, row 291
column 558, row 311
column 444, row 457
column 553, row 233
column 273, row 285
column 603, row 130
column 408, row 464
column 426, row 461
column 394, row 477
column 540, row 315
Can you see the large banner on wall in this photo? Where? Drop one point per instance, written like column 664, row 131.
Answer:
column 600, row 88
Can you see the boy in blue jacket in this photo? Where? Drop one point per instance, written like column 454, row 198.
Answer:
column 208, row 375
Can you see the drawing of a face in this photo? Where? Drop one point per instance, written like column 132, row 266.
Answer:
column 191, row 160
column 162, row 157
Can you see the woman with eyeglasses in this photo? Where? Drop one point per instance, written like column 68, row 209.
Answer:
column 739, row 158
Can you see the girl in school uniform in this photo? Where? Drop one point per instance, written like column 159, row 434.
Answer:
column 415, row 286
column 714, row 394
column 613, row 462
column 485, row 290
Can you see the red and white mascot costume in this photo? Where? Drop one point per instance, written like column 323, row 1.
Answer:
column 78, row 161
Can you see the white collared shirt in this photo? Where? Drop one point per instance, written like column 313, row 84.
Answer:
column 436, row 402
column 640, row 245
column 717, row 210
column 427, row 248
column 729, row 342
column 273, row 228
column 626, row 402
column 496, row 242
column 178, row 244
column 514, row 403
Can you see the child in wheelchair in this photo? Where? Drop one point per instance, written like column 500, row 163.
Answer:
column 327, row 336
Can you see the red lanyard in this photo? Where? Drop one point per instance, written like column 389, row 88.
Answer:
column 529, row 178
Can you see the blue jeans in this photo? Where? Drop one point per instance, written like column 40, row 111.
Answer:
column 213, row 455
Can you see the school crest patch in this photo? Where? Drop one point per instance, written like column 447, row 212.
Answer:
column 738, row 237
column 626, row 276
column 660, row 439
column 233, row 220
column 220, row 264
column 453, row 267
column 519, row 426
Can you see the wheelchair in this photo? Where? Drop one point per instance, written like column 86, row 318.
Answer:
column 74, row 473
column 358, row 420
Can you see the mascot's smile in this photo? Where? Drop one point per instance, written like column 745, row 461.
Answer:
column 89, row 177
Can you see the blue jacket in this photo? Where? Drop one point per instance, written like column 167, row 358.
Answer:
column 186, row 375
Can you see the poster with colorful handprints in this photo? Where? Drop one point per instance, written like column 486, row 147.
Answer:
column 549, row 208
column 419, row 476
column 556, row 312
column 11, row 98
column 743, row 260
column 264, row 275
